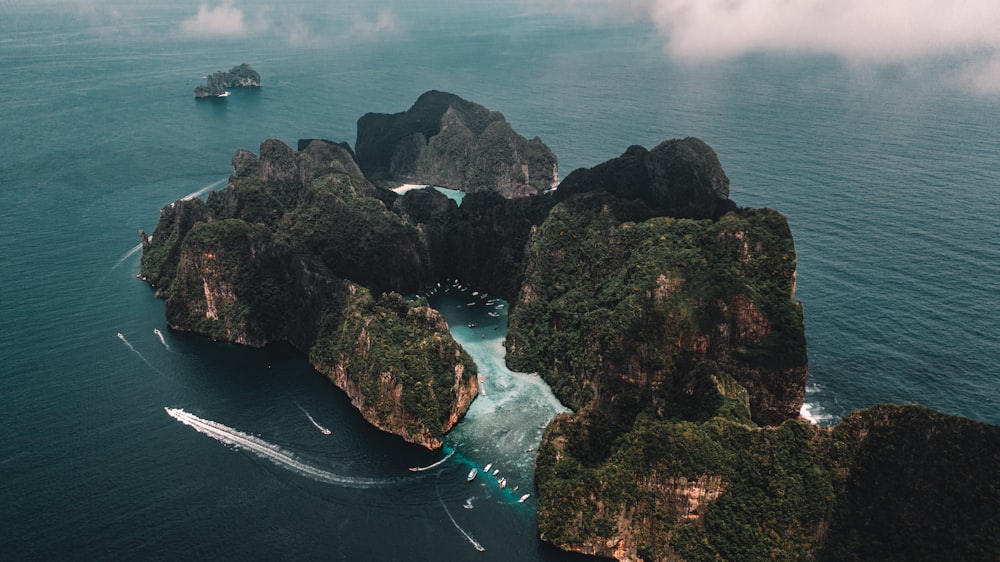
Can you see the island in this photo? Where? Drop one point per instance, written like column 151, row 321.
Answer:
column 661, row 312
column 242, row 76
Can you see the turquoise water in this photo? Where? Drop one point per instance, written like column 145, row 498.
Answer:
column 889, row 181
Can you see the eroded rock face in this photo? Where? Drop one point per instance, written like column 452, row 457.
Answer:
column 447, row 141
column 330, row 156
column 678, row 178
column 370, row 355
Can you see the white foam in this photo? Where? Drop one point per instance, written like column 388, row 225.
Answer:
column 815, row 414
column 127, row 255
column 159, row 334
column 430, row 466
column 134, row 350
column 468, row 537
column 204, row 190
column 275, row 454
column 321, row 429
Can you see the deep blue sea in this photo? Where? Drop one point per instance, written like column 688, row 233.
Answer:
column 889, row 179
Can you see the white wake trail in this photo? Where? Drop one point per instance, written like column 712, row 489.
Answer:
column 430, row 466
column 275, row 454
column 127, row 255
column 160, row 335
column 322, row 429
column 134, row 350
column 203, row 190
column 468, row 537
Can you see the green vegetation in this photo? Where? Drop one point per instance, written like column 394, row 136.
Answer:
column 448, row 141
column 677, row 341
column 268, row 258
column 889, row 483
column 606, row 301
column 400, row 355
column 217, row 82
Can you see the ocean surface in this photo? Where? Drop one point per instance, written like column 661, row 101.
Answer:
column 118, row 442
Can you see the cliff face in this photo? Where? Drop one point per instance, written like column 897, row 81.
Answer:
column 242, row 76
column 399, row 365
column 888, row 483
column 678, row 178
column 659, row 311
column 268, row 259
column 608, row 305
column 447, row 141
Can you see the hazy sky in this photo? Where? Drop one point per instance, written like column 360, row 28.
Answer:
column 874, row 32
column 964, row 34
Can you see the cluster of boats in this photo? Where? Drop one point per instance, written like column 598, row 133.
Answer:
column 482, row 297
column 501, row 482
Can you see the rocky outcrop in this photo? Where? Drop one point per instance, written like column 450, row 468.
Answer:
column 447, row 141
column 887, row 483
column 268, row 259
column 662, row 313
column 608, row 305
column 242, row 76
column 677, row 178
column 331, row 157
column 371, row 355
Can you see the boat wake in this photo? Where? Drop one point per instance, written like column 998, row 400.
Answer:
column 134, row 350
column 204, row 190
column 187, row 197
column 160, row 335
column 127, row 255
column 468, row 503
column 430, row 466
column 321, row 429
column 467, row 536
column 280, row 457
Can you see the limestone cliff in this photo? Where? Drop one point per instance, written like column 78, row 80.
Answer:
column 268, row 259
column 678, row 178
column 242, row 76
column 399, row 365
column 662, row 313
column 447, row 141
column 889, row 483
column 609, row 306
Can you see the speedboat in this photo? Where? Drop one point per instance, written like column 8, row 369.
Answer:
column 488, row 467
column 523, row 498
column 471, row 476
column 495, row 472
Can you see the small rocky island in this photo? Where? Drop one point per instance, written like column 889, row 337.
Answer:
column 242, row 76
column 655, row 307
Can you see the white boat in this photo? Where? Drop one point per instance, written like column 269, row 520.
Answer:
column 472, row 475
column 495, row 472
column 523, row 498
column 488, row 467
column 503, row 483
column 223, row 95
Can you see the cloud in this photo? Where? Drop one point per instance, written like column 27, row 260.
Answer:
column 966, row 32
column 223, row 20
column 385, row 24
